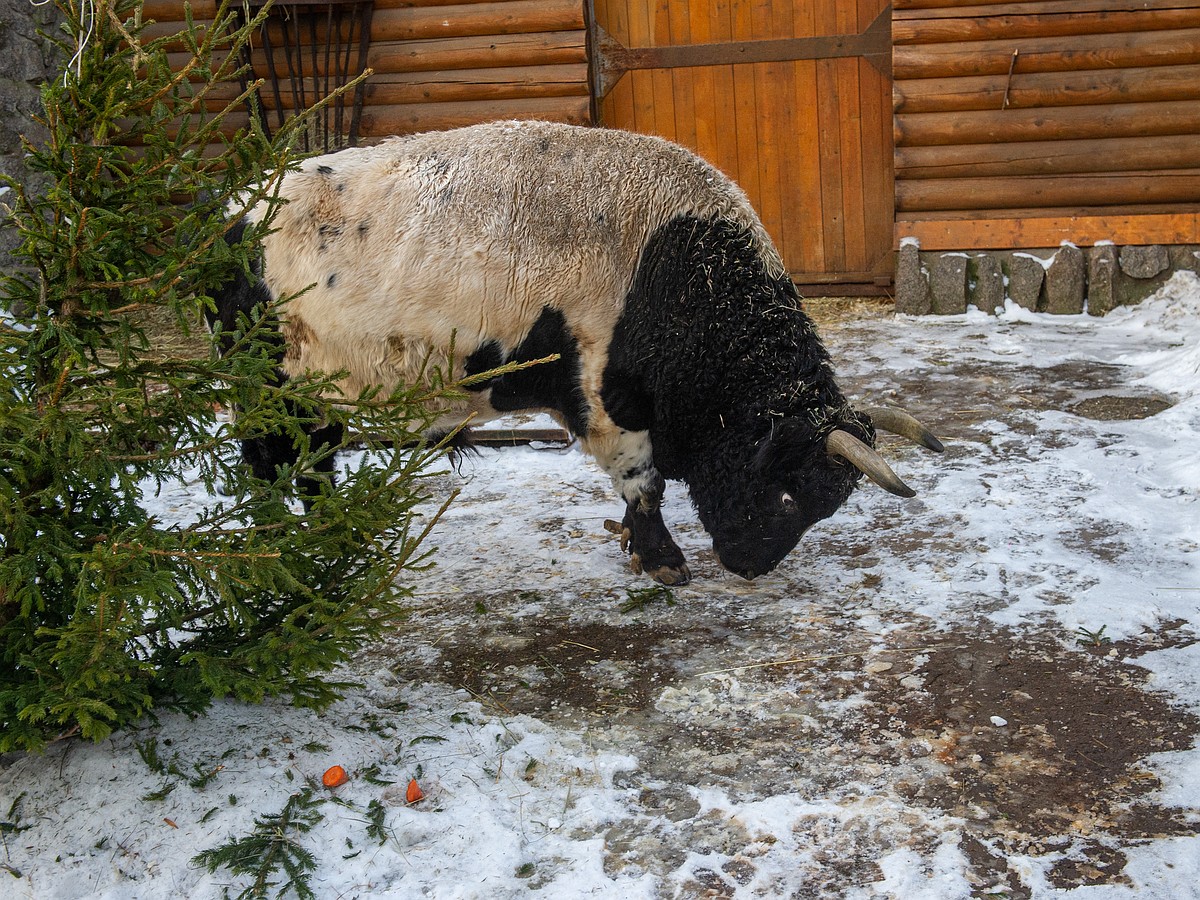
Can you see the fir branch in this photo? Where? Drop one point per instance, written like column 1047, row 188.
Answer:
column 194, row 555
column 110, row 610
column 271, row 850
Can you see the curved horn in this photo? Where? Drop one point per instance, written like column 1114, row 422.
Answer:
column 897, row 421
column 843, row 444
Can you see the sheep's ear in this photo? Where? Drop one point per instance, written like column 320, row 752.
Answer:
column 790, row 439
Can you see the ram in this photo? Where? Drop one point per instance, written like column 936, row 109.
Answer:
column 683, row 350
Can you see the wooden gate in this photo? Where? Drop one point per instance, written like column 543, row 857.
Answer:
column 791, row 98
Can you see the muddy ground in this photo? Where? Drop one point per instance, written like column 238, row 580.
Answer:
column 829, row 678
column 908, row 690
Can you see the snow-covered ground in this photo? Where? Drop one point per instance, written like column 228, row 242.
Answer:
column 990, row 689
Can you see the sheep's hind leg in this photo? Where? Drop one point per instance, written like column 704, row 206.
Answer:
column 266, row 453
column 643, row 532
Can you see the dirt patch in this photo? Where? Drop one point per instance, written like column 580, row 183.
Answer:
column 1169, row 634
column 960, row 399
column 561, row 668
column 1113, row 408
column 1037, row 743
column 1039, row 748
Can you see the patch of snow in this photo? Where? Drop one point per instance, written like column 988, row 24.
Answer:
column 1044, row 261
column 1043, row 519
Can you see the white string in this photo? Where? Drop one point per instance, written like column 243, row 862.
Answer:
column 76, row 62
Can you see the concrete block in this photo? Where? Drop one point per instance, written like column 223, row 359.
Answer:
column 948, row 284
column 1064, row 281
column 1102, row 276
column 985, row 281
column 912, row 285
column 1025, row 277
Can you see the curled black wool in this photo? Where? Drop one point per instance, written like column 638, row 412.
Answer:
column 716, row 356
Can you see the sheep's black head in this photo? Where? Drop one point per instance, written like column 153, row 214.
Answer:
column 765, row 497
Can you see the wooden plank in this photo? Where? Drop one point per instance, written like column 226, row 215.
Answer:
column 844, row 283
column 1046, row 212
column 878, row 178
column 767, row 91
column 618, row 107
column 873, row 160
column 549, row 48
column 463, row 20
column 1149, row 84
column 1007, row 232
column 1144, row 152
column 724, row 98
column 457, row 20
column 1101, row 51
column 381, row 121
column 385, row 92
column 448, row 85
column 172, row 10
column 808, row 227
column 511, row 437
column 903, row 11
column 479, row 52
column 704, row 86
column 1039, row 25
column 1065, row 123
column 1047, row 191
column 682, row 80
column 846, row 71
column 663, row 84
column 854, row 225
column 641, row 35
column 957, row 4
column 746, row 105
column 829, row 118
column 405, row 4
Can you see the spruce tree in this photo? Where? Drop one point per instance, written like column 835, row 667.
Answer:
column 108, row 612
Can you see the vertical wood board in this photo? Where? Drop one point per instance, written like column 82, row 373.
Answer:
column 809, row 140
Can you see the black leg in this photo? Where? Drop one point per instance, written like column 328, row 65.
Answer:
column 266, row 453
column 645, row 537
column 323, row 438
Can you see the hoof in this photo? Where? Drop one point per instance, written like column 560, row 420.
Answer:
column 663, row 564
column 672, row 576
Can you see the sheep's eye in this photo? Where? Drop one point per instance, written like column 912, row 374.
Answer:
column 787, row 502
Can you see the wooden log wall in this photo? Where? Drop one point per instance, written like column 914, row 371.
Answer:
column 1019, row 122
column 439, row 65
column 808, row 139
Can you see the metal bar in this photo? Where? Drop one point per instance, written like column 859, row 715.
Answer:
column 294, row 66
column 328, row 55
column 342, row 52
column 874, row 44
column 312, row 133
column 263, row 117
column 364, row 46
column 333, row 34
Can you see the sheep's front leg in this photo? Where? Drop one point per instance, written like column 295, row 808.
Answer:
column 644, row 535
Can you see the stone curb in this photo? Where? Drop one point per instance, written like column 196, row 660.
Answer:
column 1066, row 280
